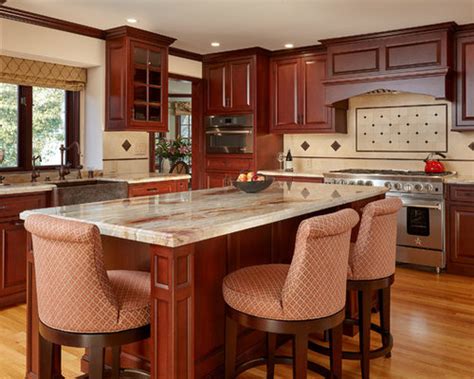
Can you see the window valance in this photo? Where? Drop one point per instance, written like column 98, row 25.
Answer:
column 182, row 108
column 42, row 74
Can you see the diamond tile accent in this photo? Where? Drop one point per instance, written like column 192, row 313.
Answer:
column 305, row 193
column 471, row 146
column 305, row 145
column 126, row 145
column 336, row 146
column 335, row 194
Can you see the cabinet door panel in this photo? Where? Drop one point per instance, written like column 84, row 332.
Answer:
column 284, row 92
column 216, row 82
column 13, row 256
column 465, row 83
column 219, row 179
column 240, row 91
column 315, row 113
column 462, row 238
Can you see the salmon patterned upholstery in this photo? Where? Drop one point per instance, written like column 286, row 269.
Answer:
column 313, row 286
column 373, row 254
column 75, row 293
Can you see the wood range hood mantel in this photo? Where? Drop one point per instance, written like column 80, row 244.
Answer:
column 416, row 60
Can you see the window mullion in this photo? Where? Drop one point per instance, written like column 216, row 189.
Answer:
column 25, row 127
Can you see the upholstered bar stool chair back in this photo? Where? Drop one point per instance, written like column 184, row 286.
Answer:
column 298, row 299
column 76, row 296
column 372, row 269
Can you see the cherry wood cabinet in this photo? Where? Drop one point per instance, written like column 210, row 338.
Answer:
column 157, row 188
column 308, row 179
column 297, row 94
column 229, row 85
column 136, row 80
column 464, row 106
column 13, row 245
column 459, row 229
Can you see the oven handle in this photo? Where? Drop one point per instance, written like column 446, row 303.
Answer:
column 437, row 206
column 228, row 132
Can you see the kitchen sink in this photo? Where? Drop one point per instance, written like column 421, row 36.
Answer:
column 88, row 191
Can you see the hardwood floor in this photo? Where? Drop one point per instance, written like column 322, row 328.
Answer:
column 432, row 326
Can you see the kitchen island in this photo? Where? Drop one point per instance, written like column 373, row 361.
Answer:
column 189, row 241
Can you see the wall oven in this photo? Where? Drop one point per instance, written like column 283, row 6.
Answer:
column 229, row 134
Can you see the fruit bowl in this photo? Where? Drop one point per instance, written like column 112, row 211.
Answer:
column 253, row 186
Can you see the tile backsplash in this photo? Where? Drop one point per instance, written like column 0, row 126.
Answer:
column 414, row 128
column 321, row 152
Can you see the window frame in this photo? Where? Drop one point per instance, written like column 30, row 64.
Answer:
column 25, row 130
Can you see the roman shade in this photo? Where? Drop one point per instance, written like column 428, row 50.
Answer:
column 182, row 108
column 42, row 74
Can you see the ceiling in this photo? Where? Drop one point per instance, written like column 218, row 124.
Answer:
column 247, row 23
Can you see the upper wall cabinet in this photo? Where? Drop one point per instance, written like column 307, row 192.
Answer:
column 415, row 60
column 136, row 80
column 464, row 108
column 297, row 96
column 229, row 85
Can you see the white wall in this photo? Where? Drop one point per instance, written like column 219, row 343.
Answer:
column 34, row 42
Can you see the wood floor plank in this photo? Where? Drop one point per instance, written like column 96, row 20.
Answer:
column 432, row 326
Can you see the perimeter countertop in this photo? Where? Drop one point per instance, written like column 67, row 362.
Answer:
column 302, row 174
column 182, row 218
column 148, row 177
column 460, row 179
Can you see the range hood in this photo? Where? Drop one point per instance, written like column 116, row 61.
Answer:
column 417, row 60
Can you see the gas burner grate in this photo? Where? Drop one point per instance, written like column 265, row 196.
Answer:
column 389, row 172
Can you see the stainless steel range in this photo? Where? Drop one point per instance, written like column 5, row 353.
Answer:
column 421, row 236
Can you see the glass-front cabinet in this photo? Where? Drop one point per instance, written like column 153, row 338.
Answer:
column 137, row 80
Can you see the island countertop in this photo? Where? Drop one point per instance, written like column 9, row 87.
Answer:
column 178, row 219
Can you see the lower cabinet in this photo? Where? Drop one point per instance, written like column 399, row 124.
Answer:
column 307, row 179
column 220, row 179
column 460, row 227
column 13, row 246
column 157, row 188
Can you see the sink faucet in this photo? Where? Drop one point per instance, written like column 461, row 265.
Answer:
column 34, row 172
column 64, row 169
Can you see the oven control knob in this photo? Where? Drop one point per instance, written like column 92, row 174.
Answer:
column 408, row 187
column 388, row 185
column 360, row 182
column 398, row 186
column 418, row 187
column 352, row 182
column 369, row 183
column 429, row 187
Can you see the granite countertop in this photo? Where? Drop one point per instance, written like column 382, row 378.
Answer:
column 14, row 189
column 181, row 218
column 312, row 174
column 149, row 177
column 460, row 179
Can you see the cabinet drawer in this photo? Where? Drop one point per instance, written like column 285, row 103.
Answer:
column 11, row 207
column 463, row 193
column 228, row 164
column 148, row 189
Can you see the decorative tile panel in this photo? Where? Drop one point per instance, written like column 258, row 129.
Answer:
column 336, row 146
column 305, row 145
column 417, row 128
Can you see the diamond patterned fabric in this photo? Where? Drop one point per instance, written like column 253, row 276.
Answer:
column 313, row 286
column 374, row 253
column 74, row 291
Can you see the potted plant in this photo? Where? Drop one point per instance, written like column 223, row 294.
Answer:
column 173, row 150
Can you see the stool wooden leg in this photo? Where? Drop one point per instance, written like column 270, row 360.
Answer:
column 384, row 300
column 46, row 358
column 230, row 347
column 271, row 345
column 335, row 346
column 116, row 362
column 300, row 356
column 364, row 331
column 96, row 362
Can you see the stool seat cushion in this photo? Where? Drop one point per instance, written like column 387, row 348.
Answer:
column 132, row 289
column 257, row 290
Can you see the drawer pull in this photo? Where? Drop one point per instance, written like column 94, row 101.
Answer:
column 2, row 207
column 152, row 189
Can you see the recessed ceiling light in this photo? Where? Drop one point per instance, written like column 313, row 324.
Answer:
column 132, row 20
column 289, row 45
column 215, row 44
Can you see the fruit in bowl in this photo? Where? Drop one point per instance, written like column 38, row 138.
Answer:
column 250, row 177
column 251, row 182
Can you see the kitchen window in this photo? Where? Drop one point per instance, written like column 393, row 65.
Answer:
column 36, row 121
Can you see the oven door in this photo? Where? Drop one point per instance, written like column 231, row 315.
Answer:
column 229, row 140
column 420, row 224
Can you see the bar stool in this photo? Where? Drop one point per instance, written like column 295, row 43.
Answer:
column 372, row 268
column 80, row 304
column 298, row 299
